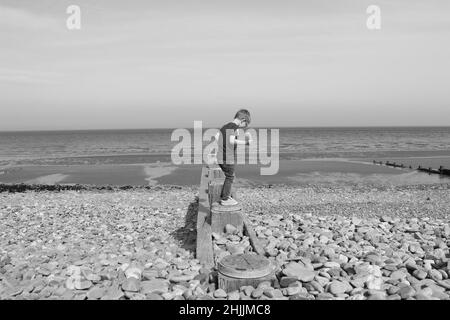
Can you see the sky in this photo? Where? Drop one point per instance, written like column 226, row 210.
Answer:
column 155, row 64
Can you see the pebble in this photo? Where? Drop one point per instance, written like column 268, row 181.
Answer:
column 420, row 274
column 444, row 283
column 300, row 296
column 338, row 287
column 374, row 283
column 436, row 275
column 230, row 229
column 406, row 292
column 131, row 284
column 182, row 278
column 133, row 272
column 113, row 294
column 150, row 274
column 324, row 296
column 95, row 293
column 257, row 293
column 220, row 293
column 286, row 281
column 303, row 274
column 82, row 285
column 234, row 295
column 290, row 291
column 157, row 286
column 398, row 275
column 247, row 290
column 153, row 296
column 331, row 264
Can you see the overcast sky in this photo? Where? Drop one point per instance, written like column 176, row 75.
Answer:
column 146, row 64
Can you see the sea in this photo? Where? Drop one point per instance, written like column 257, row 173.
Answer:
column 29, row 155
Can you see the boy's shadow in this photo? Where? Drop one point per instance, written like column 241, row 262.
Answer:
column 187, row 234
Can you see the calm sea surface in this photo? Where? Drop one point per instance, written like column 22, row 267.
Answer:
column 150, row 145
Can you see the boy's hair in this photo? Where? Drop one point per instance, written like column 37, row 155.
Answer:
column 243, row 114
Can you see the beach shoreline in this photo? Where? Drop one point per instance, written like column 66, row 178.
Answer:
column 293, row 172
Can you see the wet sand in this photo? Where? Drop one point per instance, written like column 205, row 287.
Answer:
column 291, row 172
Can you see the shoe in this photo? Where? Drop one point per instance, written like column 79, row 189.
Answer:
column 229, row 202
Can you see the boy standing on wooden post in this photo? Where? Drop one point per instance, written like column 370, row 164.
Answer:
column 226, row 154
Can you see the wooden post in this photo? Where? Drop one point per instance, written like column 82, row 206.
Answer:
column 214, row 191
column 239, row 270
column 204, row 252
column 213, row 217
column 223, row 215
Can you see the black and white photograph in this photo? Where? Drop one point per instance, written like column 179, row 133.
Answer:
column 234, row 151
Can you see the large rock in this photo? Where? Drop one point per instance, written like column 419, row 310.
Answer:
column 230, row 229
column 331, row 264
column 444, row 283
column 158, row 286
column 303, row 274
column 257, row 293
column 149, row 274
column 96, row 293
column 420, row 274
column 82, row 284
column 234, row 295
column 406, row 292
column 286, row 281
column 182, row 278
column 290, row 291
column 133, row 272
column 377, row 295
column 374, row 259
column 113, row 294
column 435, row 274
column 374, row 283
column 131, row 284
column 337, row 287
column 235, row 248
column 398, row 275
column 220, row 293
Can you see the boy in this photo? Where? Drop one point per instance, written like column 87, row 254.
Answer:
column 226, row 154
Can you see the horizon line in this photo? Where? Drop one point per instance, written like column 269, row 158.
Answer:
column 257, row 127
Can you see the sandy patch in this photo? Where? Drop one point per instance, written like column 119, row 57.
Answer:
column 49, row 179
column 157, row 171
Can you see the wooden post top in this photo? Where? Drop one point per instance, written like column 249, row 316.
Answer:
column 245, row 266
column 218, row 208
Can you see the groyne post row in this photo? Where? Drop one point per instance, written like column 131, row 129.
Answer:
column 441, row 170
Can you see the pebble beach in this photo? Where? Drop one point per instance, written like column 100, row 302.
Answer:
column 341, row 242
